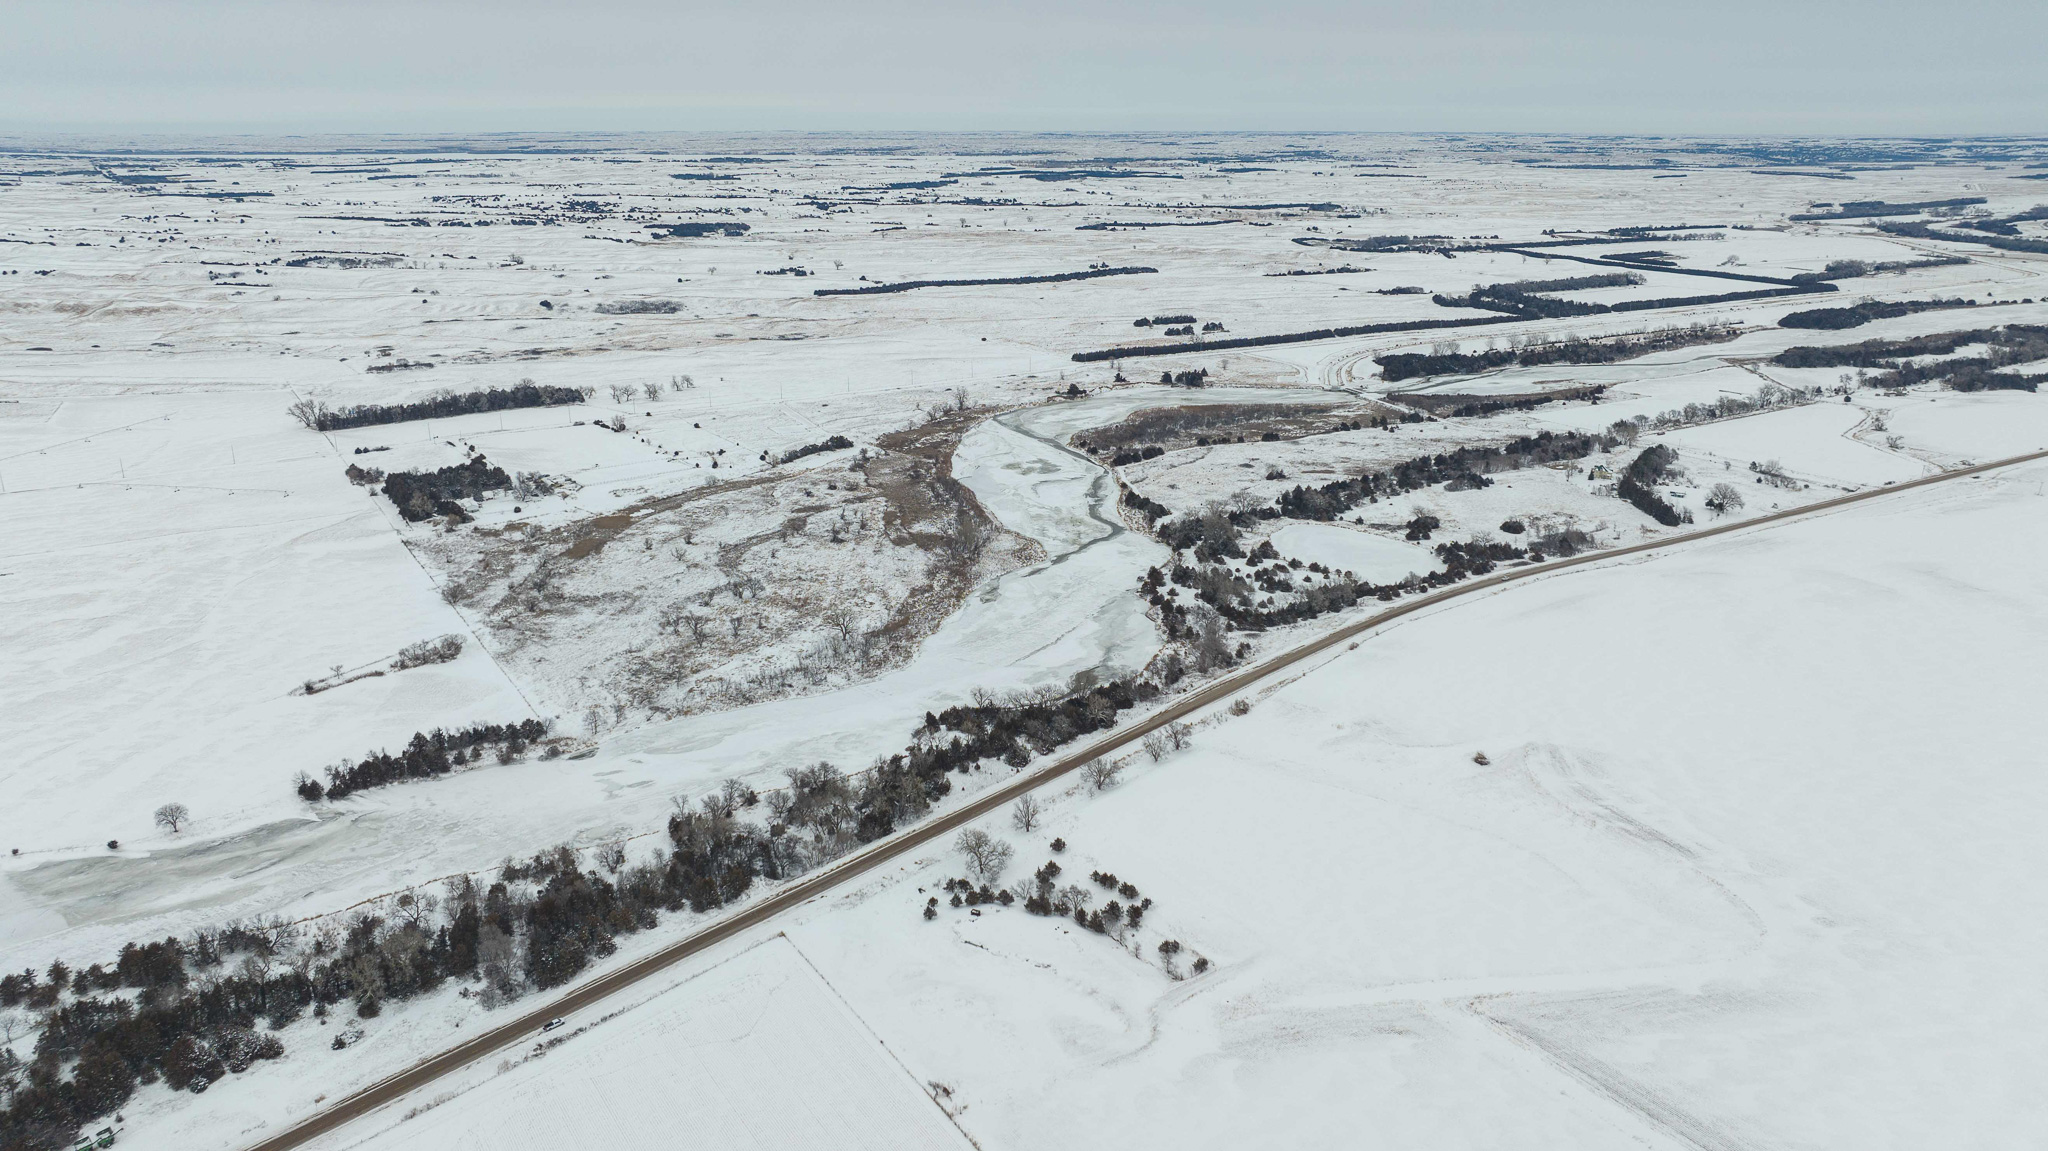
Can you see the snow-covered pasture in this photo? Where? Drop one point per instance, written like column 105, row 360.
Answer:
column 1708, row 890
column 756, row 1052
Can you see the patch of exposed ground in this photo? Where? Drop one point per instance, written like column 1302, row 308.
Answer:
column 774, row 585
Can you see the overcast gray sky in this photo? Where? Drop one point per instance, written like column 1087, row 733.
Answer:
column 1788, row 66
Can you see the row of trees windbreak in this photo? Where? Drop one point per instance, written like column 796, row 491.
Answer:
column 189, row 1011
column 1276, row 591
column 427, row 756
column 317, row 415
column 1903, row 361
column 1604, row 350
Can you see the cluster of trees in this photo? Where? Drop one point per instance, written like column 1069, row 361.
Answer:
column 1721, row 298
column 1575, row 283
column 351, row 262
column 1523, row 305
column 1461, row 406
column 1467, row 467
column 1210, row 533
column 1639, row 231
column 1837, row 319
column 1660, row 260
column 1865, row 209
column 833, row 444
column 1132, row 498
column 1919, row 231
column 1149, row 321
column 1113, row 918
column 1773, row 473
column 525, row 394
column 424, row 495
column 1251, row 603
column 649, row 390
column 695, row 228
column 1197, row 378
column 428, row 754
column 1155, row 426
column 1879, row 353
column 426, row 651
column 1383, row 243
column 1517, row 302
column 150, row 1019
column 909, row 285
column 2009, row 345
column 184, row 1015
column 1637, row 485
column 1013, row 732
column 1120, row 916
column 1409, row 365
column 1856, row 269
column 1766, row 398
column 1503, row 298
column 2007, row 225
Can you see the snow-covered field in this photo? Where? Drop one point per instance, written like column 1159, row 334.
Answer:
column 1606, row 919
column 1373, row 558
column 756, row 1053
column 1708, row 890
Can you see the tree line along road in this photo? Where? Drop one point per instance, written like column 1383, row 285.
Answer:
column 396, row 1086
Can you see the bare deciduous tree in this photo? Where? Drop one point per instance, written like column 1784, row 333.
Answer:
column 1026, row 812
column 677, row 616
column 986, row 855
column 309, row 413
column 1155, row 745
column 621, row 393
column 1725, row 498
column 969, row 537
column 651, row 391
column 497, row 958
column 611, row 856
column 842, row 620
column 1100, row 773
column 1212, row 647
column 1178, row 734
column 173, row 816
column 417, row 910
